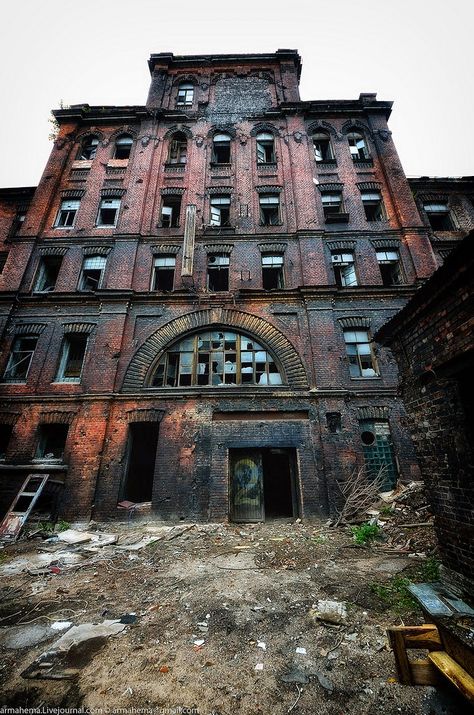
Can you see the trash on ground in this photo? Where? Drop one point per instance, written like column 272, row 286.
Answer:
column 330, row 612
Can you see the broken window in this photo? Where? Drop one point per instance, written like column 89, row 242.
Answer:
column 218, row 271
column 178, row 149
column 123, row 146
column 185, row 94
column 322, row 147
column 72, row 357
column 216, row 358
column 265, row 148
column 66, row 217
column 221, row 149
column 52, row 440
column 220, row 210
column 272, row 271
column 344, row 269
column 93, row 268
column 269, row 209
column 378, row 451
column 48, row 274
column 20, row 358
column 88, row 148
column 439, row 216
column 360, row 352
column 373, row 205
column 5, row 436
column 108, row 212
column 358, row 146
column 163, row 273
column 390, row 269
column 332, row 203
column 170, row 211
column 3, row 260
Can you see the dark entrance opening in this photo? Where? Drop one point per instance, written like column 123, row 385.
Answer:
column 262, row 484
column 143, row 442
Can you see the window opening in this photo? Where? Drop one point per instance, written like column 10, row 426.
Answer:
column 48, row 274
column 163, row 273
column 216, row 358
column 93, row 268
column 123, row 147
column 88, row 148
column 220, row 210
column 5, row 436
column 72, row 357
column 360, row 352
column 218, row 272
column 108, row 212
column 439, row 216
column 221, row 149
column 332, row 202
column 390, row 270
column 178, row 149
column 185, row 94
column 66, row 217
column 20, row 358
column 344, row 269
column 269, row 209
column 265, row 148
column 52, row 440
column 358, row 146
column 18, row 222
column 322, row 147
column 373, row 205
column 170, row 211
column 272, row 272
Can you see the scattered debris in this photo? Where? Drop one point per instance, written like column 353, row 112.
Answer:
column 330, row 612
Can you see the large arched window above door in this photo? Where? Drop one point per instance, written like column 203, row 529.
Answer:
column 216, row 358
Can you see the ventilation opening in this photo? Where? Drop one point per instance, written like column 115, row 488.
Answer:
column 143, row 442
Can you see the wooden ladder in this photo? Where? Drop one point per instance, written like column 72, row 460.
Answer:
column 15, row 518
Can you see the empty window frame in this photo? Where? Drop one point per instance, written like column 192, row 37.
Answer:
column 373, row 205
column 20, row 358
column 216, row 358
column 18, row 222
column 67, row 213
column 344, row 268
column 163, row 273
column 88, row 148
column 5, row 436
column 108, row 213
column 269, row 209
column 71, row 360
column 323, row 150
column 185, row 94
column 390, row 267
column 92, row 273
column 221, row 149
column 170, row 211
column 220, row 210
column 51, row 441
column 272, row 271
column 358, row 146
column 332, row 203
column 178, row 149
column 47, row 275
column 439, row 216
column 123, row 146
column 3, row 260
column 265, row 148
column 218, row 271
column 362, row 362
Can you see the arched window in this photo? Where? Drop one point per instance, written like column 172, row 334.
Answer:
column 322, row 147
column 221, row 149
column 123, row 146
column 358, row 146
column 265, row 148
column 88, row 148
column 178, row 149
column 185, row 94
column 216, row 358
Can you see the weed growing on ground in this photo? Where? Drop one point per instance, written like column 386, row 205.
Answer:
column 365, row 533
column 395, row 595
column 62, row 526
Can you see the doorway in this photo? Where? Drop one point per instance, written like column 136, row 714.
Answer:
column 262, row 484
column 142, row 445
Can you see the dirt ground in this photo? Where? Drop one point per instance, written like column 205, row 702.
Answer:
column 222, row 621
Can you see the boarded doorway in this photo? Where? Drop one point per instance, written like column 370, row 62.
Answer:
column 142, row 445
column 262, row 484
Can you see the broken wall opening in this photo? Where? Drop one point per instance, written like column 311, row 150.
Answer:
column 137, row 486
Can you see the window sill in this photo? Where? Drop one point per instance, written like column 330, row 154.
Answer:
column 362, row 163
column 106, row 225
column 271, row 225
column 337, row 218
column 47, row 460
column 174, row 167
column 63, row 228
column 218, row 165
column 117, row 163
column 327, row 163
column 67, row 381
column 12, row 381
column 81, row 164
column 374, row 377
column 267, row 165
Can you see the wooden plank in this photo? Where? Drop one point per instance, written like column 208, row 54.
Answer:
column 454, row 673
column 425, row 594
column 423, row 672
column 188, row 241
column 397, row 641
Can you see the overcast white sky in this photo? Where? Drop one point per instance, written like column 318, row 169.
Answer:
column 415, row 52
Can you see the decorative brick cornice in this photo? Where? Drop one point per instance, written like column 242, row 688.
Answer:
column 385, row 243
column 355, row 124
column 112, row 193
column 262, row 127
column 179, row 128
column 72, row 193
column 141, row 365
column 331, row 186
column 179, row 78
column 273, row 247
column 373, row 412
column 54, row 250
column 430, row 196
column 354, row 322
column 172, row 191
column 369, row 186
column 56, row 417
column 91, row 132
column 218, row 247
column 96, row 250
column 145, row 415
column 28, row 328
column 321, row 126
column 9, row 418
column 348, row 244
column 166, row 248
column 269, row 189
column 213, row 190
column 79, row 327
column 224, row 129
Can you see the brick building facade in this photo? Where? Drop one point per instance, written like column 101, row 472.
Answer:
column 188, row 298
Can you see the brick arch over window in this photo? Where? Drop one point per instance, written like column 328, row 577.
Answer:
column 289, row 360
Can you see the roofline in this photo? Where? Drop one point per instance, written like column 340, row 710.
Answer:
column 12, row 191
column 169, row 58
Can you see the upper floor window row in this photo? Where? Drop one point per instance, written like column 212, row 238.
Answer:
column 107, row 215
column 70, row 364
column 122, row 147
column 324, row 150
